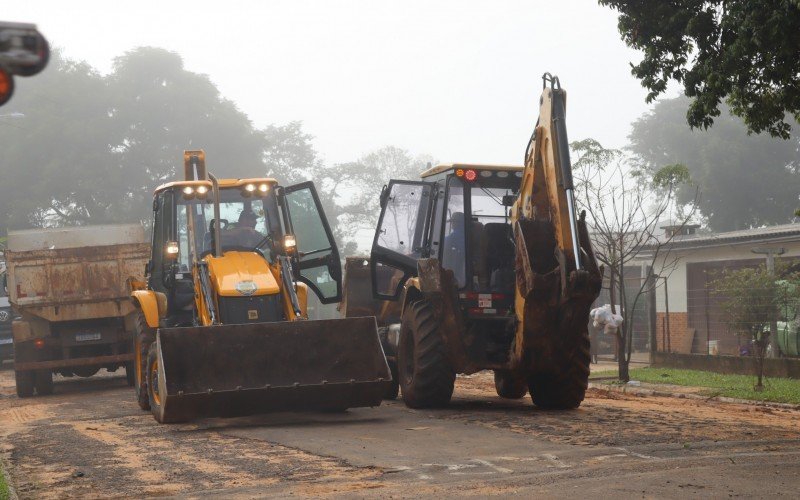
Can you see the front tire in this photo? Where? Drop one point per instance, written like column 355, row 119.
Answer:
column 510, row 385
column 156, row 399
column 564, row 385
column 145, row 336
column 425, row 376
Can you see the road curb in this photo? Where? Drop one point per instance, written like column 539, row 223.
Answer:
column 642, row 391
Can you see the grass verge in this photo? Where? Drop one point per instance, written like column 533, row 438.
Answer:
column 4, row 493
column 780, row 390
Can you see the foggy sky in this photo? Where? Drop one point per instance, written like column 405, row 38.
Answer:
column 458, row 80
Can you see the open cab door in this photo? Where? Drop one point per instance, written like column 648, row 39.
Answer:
column 401, row 236
column 320, row 267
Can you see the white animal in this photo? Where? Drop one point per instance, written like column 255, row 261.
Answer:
column 603, row 317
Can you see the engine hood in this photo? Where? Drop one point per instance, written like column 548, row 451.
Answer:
column 241, row 274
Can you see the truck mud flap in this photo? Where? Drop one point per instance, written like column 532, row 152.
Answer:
column 235, row 370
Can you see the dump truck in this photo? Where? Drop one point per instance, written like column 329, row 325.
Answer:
column 69, row 288
column 222, row 329
column 493, row 269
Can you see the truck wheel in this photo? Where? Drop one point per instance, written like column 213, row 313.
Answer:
column 156, row 401
column 25, row 383
column 510, row 385
column 130, row 373
column 426, row 378
column 145, row 336
column 563, row 387
column 394, row 389
column 44, row 382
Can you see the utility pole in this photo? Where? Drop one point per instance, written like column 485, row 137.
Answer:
column 773, row 325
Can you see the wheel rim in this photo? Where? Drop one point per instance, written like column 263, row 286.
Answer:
column 154, row 382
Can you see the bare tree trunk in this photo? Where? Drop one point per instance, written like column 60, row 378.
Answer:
column 624, row 332
column 612, row 298
column 624, row 373
column 761, row 347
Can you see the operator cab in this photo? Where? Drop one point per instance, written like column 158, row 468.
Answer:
column 255, row 215
column 459, row 214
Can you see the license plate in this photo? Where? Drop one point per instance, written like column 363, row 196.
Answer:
column 6, row 341
column 484, row 302
column 85, row 337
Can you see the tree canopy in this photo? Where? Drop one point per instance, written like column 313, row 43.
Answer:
column 80, row 147
column 744, row 180
column 745, row 51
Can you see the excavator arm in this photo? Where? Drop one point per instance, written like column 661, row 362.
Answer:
column 557, row 274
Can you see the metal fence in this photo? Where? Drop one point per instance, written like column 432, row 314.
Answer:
column 726, row 323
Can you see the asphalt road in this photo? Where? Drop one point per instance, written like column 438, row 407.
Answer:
column 90, row 439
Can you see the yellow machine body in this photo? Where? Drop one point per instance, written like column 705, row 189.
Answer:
column 243, row 343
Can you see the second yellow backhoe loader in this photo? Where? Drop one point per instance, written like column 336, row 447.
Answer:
column 494, row 269
column 223, row 328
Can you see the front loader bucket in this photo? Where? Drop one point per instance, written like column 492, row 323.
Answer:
column 234, row 370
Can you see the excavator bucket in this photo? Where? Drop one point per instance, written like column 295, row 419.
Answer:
column 235, row 370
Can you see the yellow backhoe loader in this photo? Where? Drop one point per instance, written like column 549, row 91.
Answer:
column 222, row 329
column 494, row 270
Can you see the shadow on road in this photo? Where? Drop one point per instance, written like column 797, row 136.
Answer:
column 284, row 419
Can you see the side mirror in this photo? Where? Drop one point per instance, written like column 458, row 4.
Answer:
column 509, row 199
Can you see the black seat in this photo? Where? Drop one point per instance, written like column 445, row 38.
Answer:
column 500, row 256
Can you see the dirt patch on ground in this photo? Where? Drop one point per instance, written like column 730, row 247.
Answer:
column 616, row 419
column 90, row 440
column 100, row 445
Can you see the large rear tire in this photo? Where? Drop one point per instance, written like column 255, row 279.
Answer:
column 426, row 378
column 564, row 385
column 145, row 336
column 44, row 382
column 25, row 383
column 510, row 385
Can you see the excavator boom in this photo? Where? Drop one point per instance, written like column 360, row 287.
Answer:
column 557, row 274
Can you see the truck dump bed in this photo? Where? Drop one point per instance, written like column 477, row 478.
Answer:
column 74, row 273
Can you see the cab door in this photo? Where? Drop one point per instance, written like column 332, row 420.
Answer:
column 401, row 236
column 318, row 256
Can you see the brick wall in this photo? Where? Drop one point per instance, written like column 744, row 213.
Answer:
column 679, row 338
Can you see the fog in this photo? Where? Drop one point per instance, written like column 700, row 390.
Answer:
column 458, row 80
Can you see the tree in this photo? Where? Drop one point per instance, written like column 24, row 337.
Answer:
column 356, row 187
column 753, row 299
column 625, row 208
column 744, row 51
column 91, row 148
column 746, row 180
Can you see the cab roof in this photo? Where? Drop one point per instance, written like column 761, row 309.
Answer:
column 223, row 183
column 444, row 167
